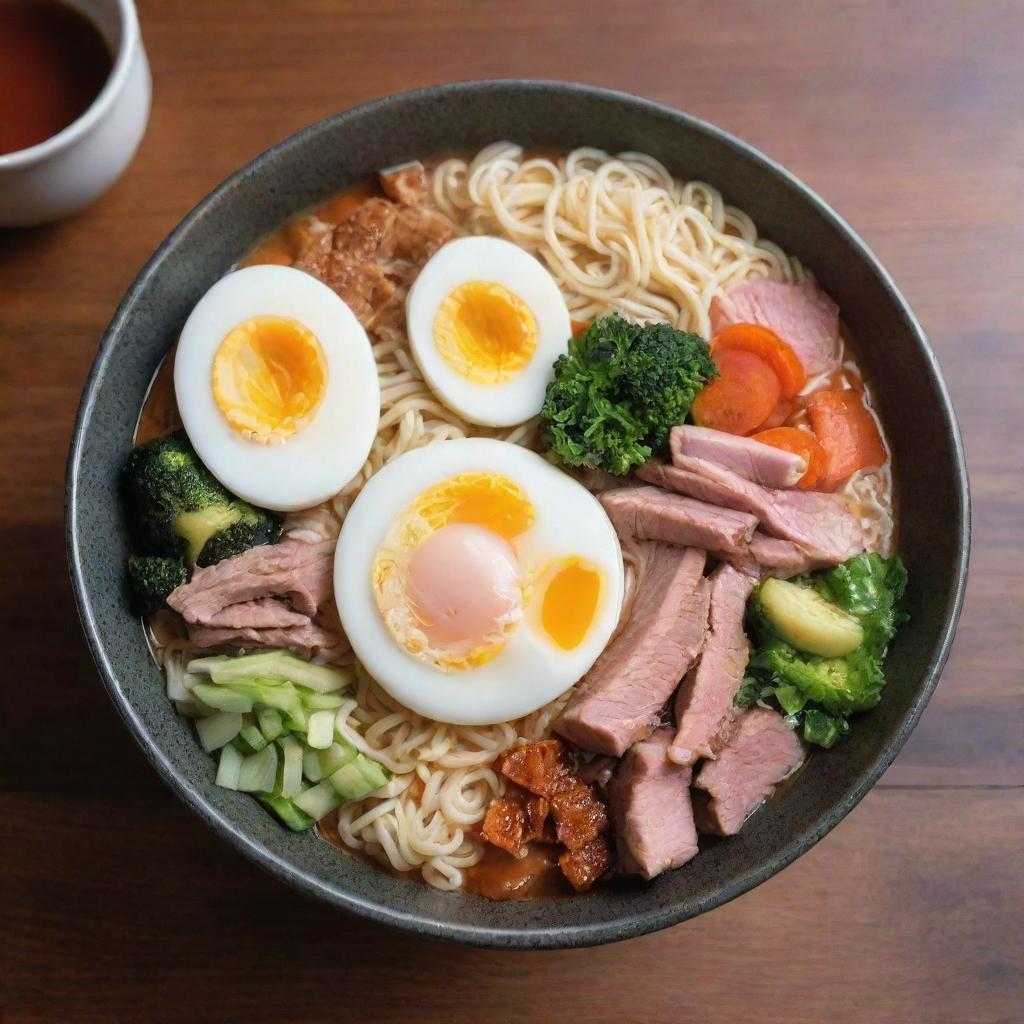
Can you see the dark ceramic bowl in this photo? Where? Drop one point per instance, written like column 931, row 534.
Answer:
column 327, row 157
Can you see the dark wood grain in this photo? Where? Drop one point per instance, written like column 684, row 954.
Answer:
column 118, row 905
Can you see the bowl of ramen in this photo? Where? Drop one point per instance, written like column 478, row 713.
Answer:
column 517, row 513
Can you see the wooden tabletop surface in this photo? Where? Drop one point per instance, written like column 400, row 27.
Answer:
column 118, row 905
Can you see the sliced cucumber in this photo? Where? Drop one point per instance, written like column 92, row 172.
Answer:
column 804, row 619
column 296, row 819
column 320, row 733
column 259, row 771
column 318, row 800
column 311, row 764
column 218, row 730
column 336, row 755
column 359, row 778
column 270, row 722
column 229, row 767
column 282, row 696
column 275, row 665
column 322, row 701
column 291, row 773
column 221, row 698
column 251, row 736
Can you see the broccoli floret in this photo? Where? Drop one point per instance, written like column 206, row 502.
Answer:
column 178, row 509
column 619, row 390
column 821, row 693
column 151, row 578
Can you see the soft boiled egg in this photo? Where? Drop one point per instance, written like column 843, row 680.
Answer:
column 486, row 322
column 277, row 387
column 475, row 581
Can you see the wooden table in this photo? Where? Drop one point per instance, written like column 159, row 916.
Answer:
column 118, row 905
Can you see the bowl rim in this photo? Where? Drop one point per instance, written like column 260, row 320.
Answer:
column 529, row 936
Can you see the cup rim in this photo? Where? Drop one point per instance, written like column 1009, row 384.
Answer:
column 96, row 110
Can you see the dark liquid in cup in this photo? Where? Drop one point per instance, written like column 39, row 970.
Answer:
column 53, row 64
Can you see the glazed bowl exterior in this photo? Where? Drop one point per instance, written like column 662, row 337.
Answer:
column 321, row 160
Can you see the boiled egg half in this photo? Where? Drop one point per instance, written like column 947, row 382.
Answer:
column 277, row 387
column 486, row 322
column 475, row 581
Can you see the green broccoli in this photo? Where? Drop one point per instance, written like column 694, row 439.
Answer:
column 151, row 578
column 176, row 507
column 619, row 390
column 818, row 692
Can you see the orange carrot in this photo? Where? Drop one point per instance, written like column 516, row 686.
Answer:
column 847, row 432
column 578, row 327
column 740, row 398
column 770, row 347
column 800, row 442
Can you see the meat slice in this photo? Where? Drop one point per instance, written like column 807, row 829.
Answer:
column 704, row 702
column 800, row 314
column 263, row 613
column 307, row 639
column 620, row 700
column 651, row 513
column 771, row 467
column 776, row 557
column 298, row 573
column 586, row 865
column 405, row 183
column 651, row 809
column 821, row 524
column 761, row 752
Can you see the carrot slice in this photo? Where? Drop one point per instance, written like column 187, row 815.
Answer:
column 847, row 432
column 578, row 327
column 800, row 442
column 740, row 398
column 784, row 408
column 770, row 347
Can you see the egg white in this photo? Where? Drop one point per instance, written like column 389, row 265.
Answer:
column 531, row 670
column 318, row 460
column 488, row 259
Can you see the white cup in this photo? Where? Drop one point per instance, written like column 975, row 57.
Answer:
column 70, row 169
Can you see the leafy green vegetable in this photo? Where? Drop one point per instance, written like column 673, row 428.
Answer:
column 177, row 508
column 821, row 693
column 619, row 390
column 151, row 579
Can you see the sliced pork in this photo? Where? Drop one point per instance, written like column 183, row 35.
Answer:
column 771, row 467
column 800, row 314
column 651, row 513
column 294, row 572
column 821, row 524
column 761, row 752
column 704, row 702
column 651, row 809
column 307, row 639
column 267, row 596
column 620, row 700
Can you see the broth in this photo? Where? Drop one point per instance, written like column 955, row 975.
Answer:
column 53, row 64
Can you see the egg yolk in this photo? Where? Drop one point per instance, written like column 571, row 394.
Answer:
column 463, row 585
column 269, row 376
column 483, row 499
column 569, row 604
column 485, row 333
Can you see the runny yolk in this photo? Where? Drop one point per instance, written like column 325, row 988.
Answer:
column 569, row 603
column 269, row 376
column 485, row 332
